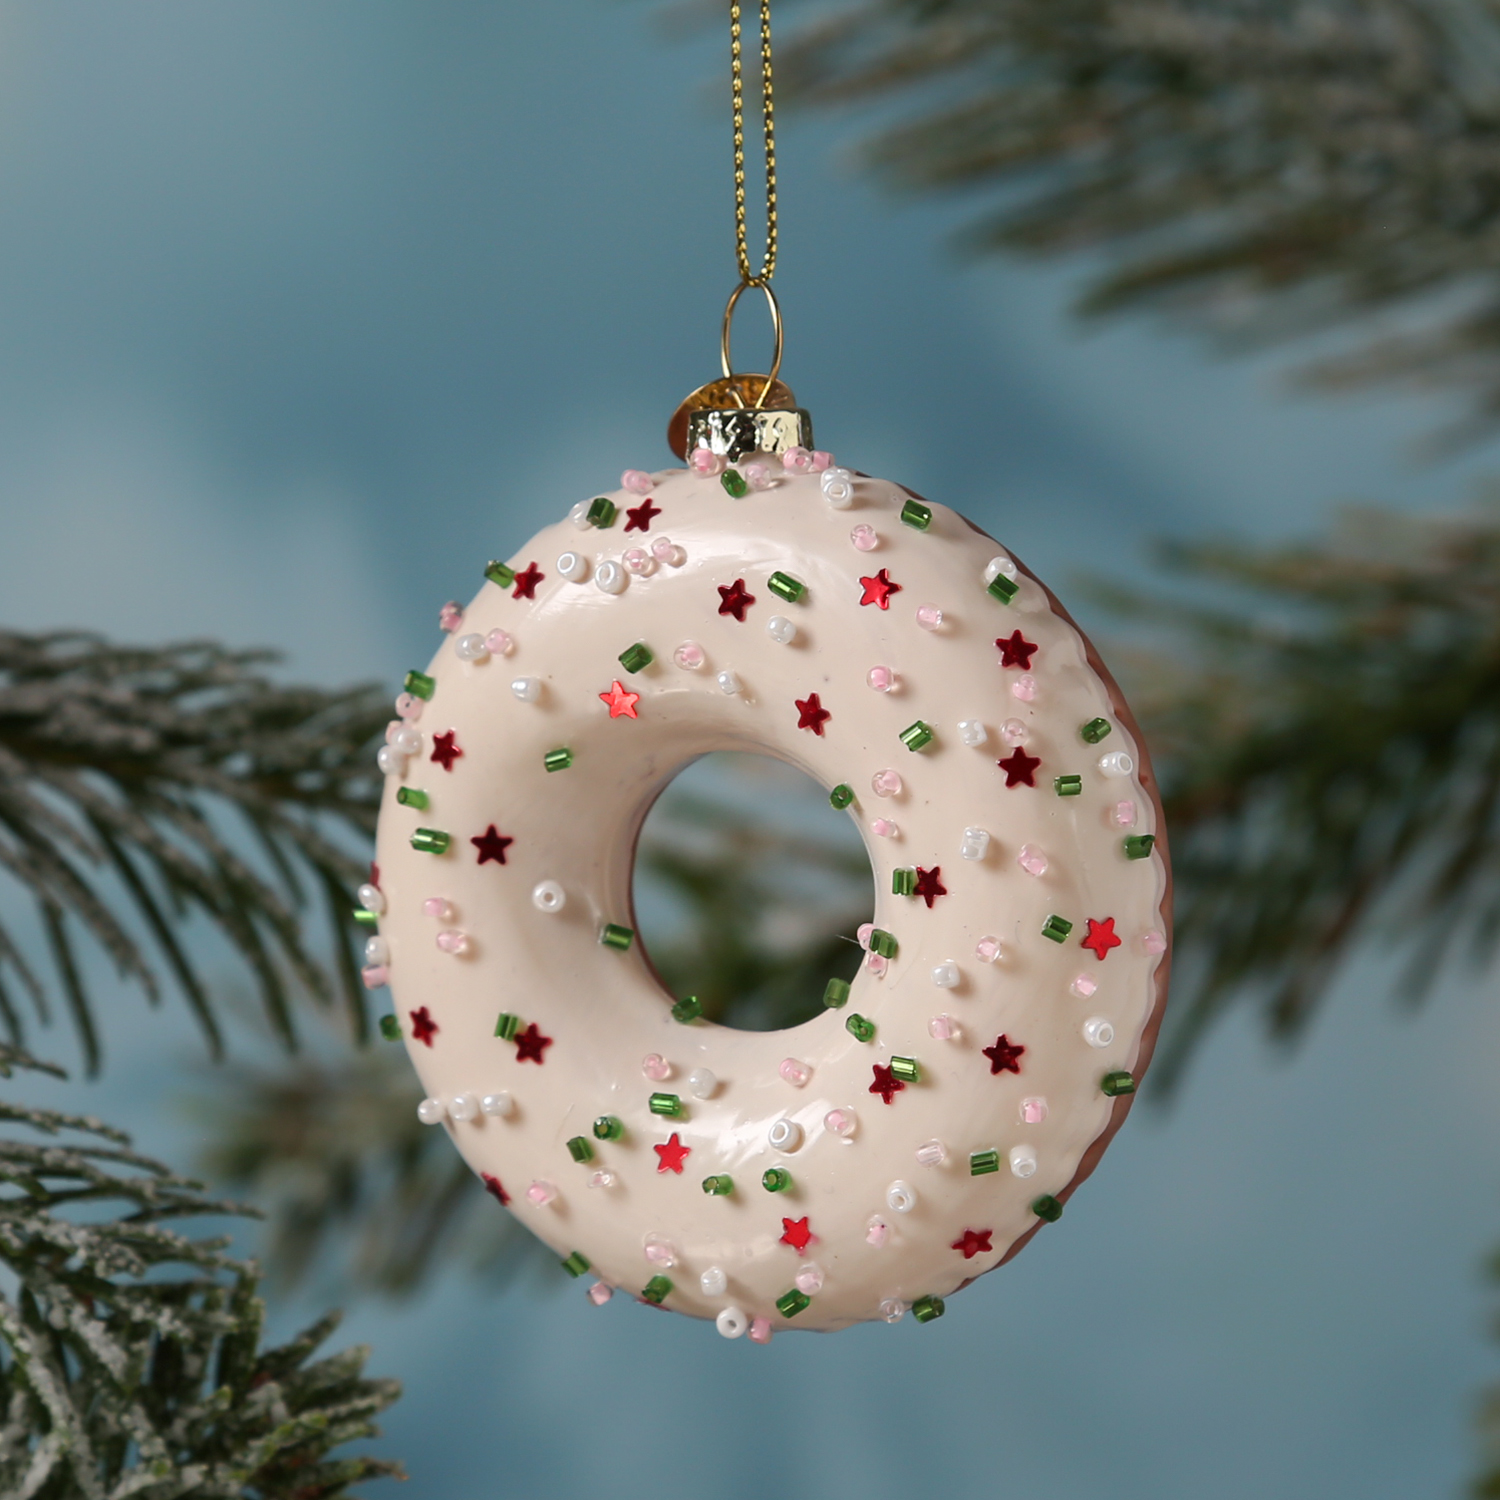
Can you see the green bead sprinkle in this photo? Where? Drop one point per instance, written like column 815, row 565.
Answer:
column 719, row 1186
column 1002, row 588
column 689, row 1008
column 860, row 1028
column 907, row 1069
column 420, row 685
column 411, row 796
column 390, row 1028
column 1068, row 786
column 580, row 1149
column 903, row 882
column 576, row 1264
column 1047, row 1207
column 431, row 841
column 497, row 572
column 608, row 1128
column 982, row 1163
column 637, row 657
column 602, row 513
column 836, row 993
column 656, row 1290
column 1057, row 928
column 789, row 1304
column 776, row 1179
column 841, row 796
column 1138, row 845
column 559, row 759
column 1095, row 730
column 615, row 936
column 666, row 1104
column 365, row 918
column 883, row 943
column 1115, row 1084
column 928, row 1309
column 914, row 513
column 507, row 1025
column 917, row 736
column 784, row 586
column 734, row 483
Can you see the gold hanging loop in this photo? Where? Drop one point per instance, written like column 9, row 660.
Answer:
column 724, row 356
column 768, row 131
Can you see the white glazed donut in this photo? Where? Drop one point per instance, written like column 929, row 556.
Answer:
column 921, row 1130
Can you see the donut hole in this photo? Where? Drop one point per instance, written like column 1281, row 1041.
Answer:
column 749, row 890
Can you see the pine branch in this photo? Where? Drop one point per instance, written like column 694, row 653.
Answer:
column 166, row 770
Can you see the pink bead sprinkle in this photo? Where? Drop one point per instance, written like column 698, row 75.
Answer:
column 1083, row 986
column 705, row 461
column 1153, row 942
column 689, row 656
column 796, row 1073
column 1024, row 687
column 882, row 679
column 757, row 476
column 929, row 616
column 1013, row 732
column 883, row 828
column 541, row 1193
column 839, row 1122
column 437, row 908
column 1033, row 1111
column 865, row 538
column 664, row 550
column 875, row 964
column 877, row 1233
column 602, row 1179
column 760, row 1331
column 942, row 1028
column 796, row 460
column 499, row 642
column 638, row 561
column 862, row 932
column 821, row 460
column 1032, row 860
column 886, row 783
column 451, row 615
column 451, row 940
column 600, row 1293
column 374, row 976
column 409, row 706
column 1124, row 814
column 637, row 481
column 987, row 949
column 809, row 1279
column 659, row 1251
column 656, row 1067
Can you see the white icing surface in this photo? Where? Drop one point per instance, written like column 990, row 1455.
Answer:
column 574, row 832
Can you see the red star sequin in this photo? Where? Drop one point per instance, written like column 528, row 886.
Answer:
column 886, row 1084
column 811, row 714
column 878, row 590
column 1004, row 1056
column 423, row 1027
column 1019, row 768
column 375, row 875
column 621, row 701
column 1016, row 651
column 492, row 845
column 794, row 1232
column 445, row 749
column 530, row 1044
column 734, row 600
column 1101, row 937
column 493, row 1188
column 527, row 581
column 638, row 517
column 671, row 1154
column 929, row 886
column 975, row 1242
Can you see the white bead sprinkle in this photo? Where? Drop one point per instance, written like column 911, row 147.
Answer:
column 579, row 515
column 972, row 731
column 471, row 648
column 714, row 1282
column 1022, row 1161
column 781, row 629
column 975, row 843
column 500, row 1105
column 430, row 1111
column 784, row 1135
column 996, row 566
column 573, row 566
column 372, row 898
column 945, row 976
column 610, row 577
column 463, row 1107
column 1117, row 763
column 527, row 689
column 1098, row 1032
column 732, row 1322
column 838, row 487
column 729, row 682
column 548, row 896
column 702, row 1083
column 377, row 951
column 901, row 1197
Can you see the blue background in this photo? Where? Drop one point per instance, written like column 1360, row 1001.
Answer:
column 305, row 308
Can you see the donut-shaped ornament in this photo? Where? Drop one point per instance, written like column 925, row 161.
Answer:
column 946, row 1102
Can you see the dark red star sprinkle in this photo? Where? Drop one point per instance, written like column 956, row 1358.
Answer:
column 734, row 600
column 375, row 875
column 671, row 1154
column 621, row 701
column 929, row 886
column 423, row 1027
column 445, row 749
column 639, row 516
column 975, row 1242
column 493, row 1188
column 1016, row 651
column 1004, row 1056
column 530, row 1044
column 492, row 844
column 878, row 590
column 794, row 1232
column 811, row 714
column 527, row 581
column 1101, row 937
column 886, row 1083
column 1019, row 768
